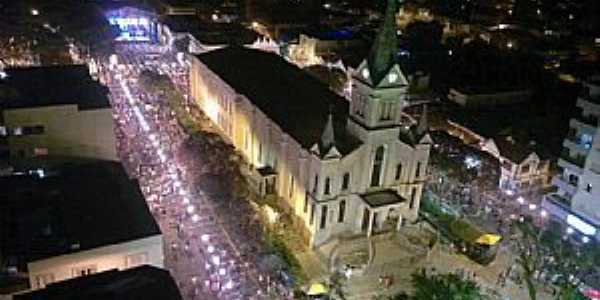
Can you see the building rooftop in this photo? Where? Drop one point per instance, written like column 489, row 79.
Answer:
column 289, row 96
column 211, row 33
column 51, row 85
column 70, row 206
column 144, row 282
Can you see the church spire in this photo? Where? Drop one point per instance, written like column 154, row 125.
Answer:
column 382, row 55
column 328, row 138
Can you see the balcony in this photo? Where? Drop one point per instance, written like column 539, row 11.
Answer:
column 557, row 205
column 564, row 184
column 575, row 144
column 583, row 123
column 573, row 162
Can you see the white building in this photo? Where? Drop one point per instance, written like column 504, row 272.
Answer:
column 522, row 165
column 339, row 168
column 56, row 110
column 577, row 201
column 76, row 217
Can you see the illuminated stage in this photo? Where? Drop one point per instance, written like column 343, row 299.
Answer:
column 134, row 24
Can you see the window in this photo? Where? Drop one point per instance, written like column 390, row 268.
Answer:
column 327, row 186
column 18, row 131
column 586, row 140
column 418, row 171
column 305, row 202
column 413, row 196
column 291, row 186
column 33, row 130
column 84, row 271
column 346, row 181
column 43, row 280
column 342, row 211
column 525, row 169
column 386, row 111
column 398, row 171
column 312, row 213
column 377, row 166
column 247, row 139
column 588, row 187
column 323, row 216
column 259, row 155
column 316, row 184
column 135, row 260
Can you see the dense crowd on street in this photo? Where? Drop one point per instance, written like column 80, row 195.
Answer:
column 208, row 246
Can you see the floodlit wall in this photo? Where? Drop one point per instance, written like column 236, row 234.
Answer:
column 119, row 256
column 67, row 131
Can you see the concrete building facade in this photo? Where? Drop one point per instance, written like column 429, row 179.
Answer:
column 577, row 201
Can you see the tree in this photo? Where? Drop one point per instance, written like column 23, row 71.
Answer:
column 549, row 250
column 444, row 287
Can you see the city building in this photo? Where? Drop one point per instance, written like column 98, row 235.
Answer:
column 339, row 167
column 143, row 282
column 133, row 23
column 577, row 201
column 65, row 218
column 56, row 110
column 523, row 165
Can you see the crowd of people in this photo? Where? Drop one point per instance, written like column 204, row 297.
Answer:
column 208, row 250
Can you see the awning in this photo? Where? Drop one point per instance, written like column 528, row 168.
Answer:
column 317, row 289
column 382, row 198
column 488, row 239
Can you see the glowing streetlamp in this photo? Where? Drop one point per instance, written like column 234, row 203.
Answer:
column 585, row 239
column 570, row 230
column 543, row 213
column 532, row 206
column 34, row 12
column 521, row 200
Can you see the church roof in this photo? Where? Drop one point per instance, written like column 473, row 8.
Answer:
column 382, row 56
column 289, row 96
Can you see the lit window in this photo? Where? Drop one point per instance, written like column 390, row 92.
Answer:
column 365, row 73
column 393, row 77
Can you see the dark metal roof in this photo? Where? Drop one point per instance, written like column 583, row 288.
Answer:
column 78, row 205
column 51, row 85
column 289, row 96
column 382, row 198
column 144, row 282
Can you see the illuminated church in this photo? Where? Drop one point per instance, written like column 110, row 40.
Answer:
column 341, row 168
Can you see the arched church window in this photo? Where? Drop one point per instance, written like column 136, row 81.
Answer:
column 377, row 166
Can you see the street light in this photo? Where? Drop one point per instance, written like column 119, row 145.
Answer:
column 521, row 200
column 543, row 213
column 532, row 206
column 585, row 239
column 35, row 12
column 570, row 230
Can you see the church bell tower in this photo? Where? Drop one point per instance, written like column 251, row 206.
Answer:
column 379, row 87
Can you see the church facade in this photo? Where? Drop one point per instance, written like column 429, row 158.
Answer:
column 340, row 167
